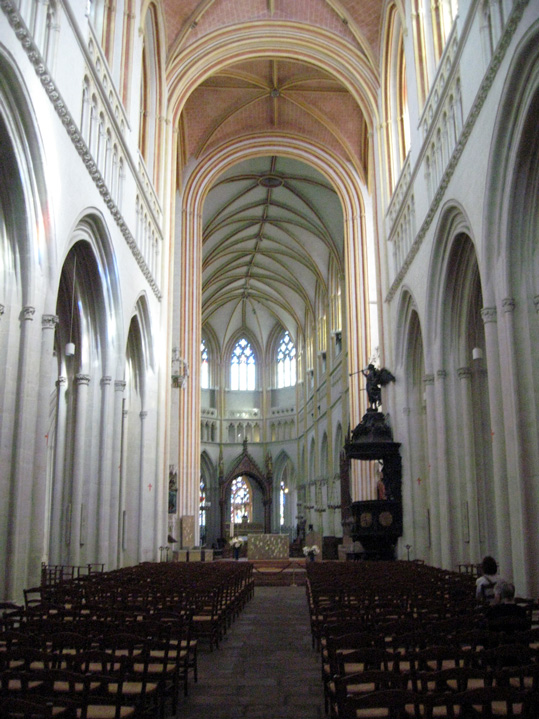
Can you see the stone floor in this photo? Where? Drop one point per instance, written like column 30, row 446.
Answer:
column 265, row 668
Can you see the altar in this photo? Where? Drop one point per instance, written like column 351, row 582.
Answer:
column 268, row 546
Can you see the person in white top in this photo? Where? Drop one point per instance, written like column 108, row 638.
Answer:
column 484, row 586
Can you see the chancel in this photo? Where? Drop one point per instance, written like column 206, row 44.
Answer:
column 262, row 263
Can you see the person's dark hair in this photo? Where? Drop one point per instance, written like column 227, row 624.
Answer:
column 489, row 566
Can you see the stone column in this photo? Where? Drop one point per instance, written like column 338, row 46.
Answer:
column 434, row 498
column 444, row 496
column 142, row 486
column 57, row 515
column 77, row 538
column 468, row 440
column 104, row 469
column 408, row 504
column 516, row 452
column 115, row 477
column 502, row 550
column 21, row 477
column 37, row 550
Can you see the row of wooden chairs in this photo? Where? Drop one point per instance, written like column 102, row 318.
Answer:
column 122, row 645
column 481, row 703
column 420, row 640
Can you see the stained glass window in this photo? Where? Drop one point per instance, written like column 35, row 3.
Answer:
column 242, row 366
column 286, row 362
column 202, row 511
column 240, row 500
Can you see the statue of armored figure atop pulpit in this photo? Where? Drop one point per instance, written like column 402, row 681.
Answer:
column 376, row 523
column 376, row 379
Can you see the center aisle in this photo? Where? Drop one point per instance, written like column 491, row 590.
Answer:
column 265, row 668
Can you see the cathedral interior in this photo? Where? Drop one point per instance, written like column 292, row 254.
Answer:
column 215, row 216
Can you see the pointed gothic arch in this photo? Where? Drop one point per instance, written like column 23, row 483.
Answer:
column 246, row 466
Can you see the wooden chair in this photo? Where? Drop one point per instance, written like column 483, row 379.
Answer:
column 453, row 679
column 524, row 678
column 34, row 708
column 180, row 623
column 15, row 682
column 338, row 647
column 384, row 704
column 97, row 696
column 490, row 702
column 360, row 684
column 365, row 658
column 506, row 655
column 207, row 622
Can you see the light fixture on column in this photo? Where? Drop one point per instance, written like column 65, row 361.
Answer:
column 70, row 347
column 477, row 353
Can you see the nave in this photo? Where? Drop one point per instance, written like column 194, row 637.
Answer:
column 265, row 667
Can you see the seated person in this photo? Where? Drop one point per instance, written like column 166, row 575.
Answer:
column 484, row 586
column 504, row 615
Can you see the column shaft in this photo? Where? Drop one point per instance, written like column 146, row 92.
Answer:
column 39, row 529
column 22, row 462
column 78, row 529
column 470, row 478
column 502, row 550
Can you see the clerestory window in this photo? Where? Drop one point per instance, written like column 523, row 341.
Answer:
column 243, row 367
column 286, row 362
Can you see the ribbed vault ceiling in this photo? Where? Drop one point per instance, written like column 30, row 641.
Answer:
column 271, row 224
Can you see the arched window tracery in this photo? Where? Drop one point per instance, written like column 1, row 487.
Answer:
column 243, row 366
column 241, row 500
column 286, row 362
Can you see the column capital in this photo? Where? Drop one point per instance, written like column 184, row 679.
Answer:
column 105, row 380
column 82, row 379
column 61, row 381
column 441, row 374
column 464, row 373
column 489, row 314
column 428, row 379
column 49, row 322
column 2, row 310
column 28, row 312
column 508, row 304
column 143, row 414
column 535, row 302
column 119, row 385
